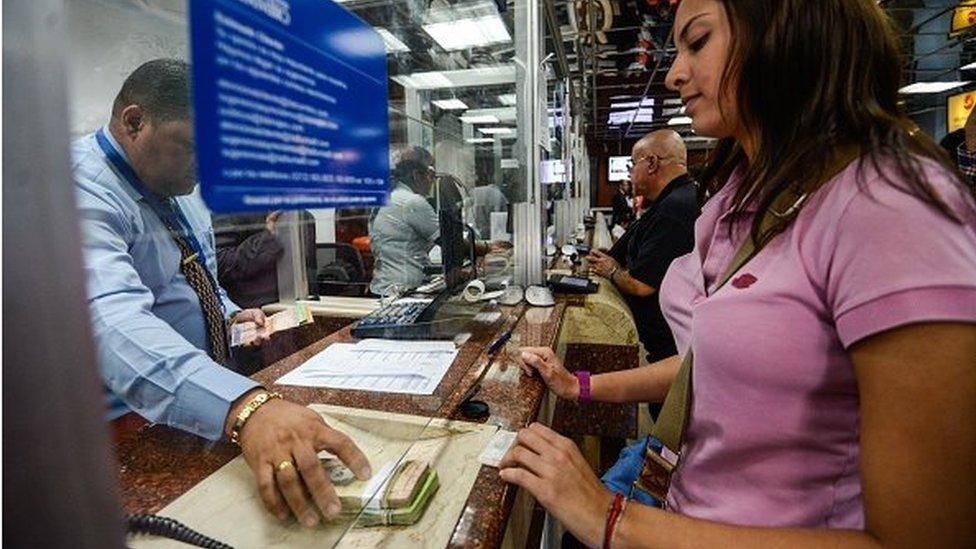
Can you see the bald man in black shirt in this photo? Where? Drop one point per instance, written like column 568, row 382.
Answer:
column 638, row 261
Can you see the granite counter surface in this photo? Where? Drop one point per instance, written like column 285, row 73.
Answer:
column 157, row 463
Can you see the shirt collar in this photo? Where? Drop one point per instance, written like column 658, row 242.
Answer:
column 679, row 181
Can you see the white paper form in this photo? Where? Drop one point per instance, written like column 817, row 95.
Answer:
column 386, row 366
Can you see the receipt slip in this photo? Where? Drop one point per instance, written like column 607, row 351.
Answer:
column 413, row 367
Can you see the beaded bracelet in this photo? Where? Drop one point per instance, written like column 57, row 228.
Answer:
column 258, row 401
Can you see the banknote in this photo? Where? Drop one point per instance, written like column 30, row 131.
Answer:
column 245, row 333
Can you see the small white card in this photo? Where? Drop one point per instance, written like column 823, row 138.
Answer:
column 497, row 448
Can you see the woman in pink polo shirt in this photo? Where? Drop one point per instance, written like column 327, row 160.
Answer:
column 834, row 382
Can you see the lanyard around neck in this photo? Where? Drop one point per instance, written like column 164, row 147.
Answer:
column 167, row 211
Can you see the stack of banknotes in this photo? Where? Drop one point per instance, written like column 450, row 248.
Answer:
column 246, row 333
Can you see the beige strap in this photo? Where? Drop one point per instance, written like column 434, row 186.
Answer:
column 672, row 422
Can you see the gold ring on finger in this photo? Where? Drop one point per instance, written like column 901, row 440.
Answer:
column 284, row 465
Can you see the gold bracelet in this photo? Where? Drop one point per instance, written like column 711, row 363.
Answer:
column 258, row 401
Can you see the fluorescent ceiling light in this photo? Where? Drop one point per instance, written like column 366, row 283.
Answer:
column 497, row 130
column 931, row 87
column 968, row 67
column 480, row 119
column 424, row 80
column 509, row 163
column 463, row 78
column 507, row 99
column 679, row 121
column 646, row 102
column 503, row 114
column 393, row 44
column 633, row 115
column 450, row 104
column 470, row 32
column 479, row 140
column 672, row 101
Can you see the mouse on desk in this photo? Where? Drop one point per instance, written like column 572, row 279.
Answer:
column 539, row 296
column 512, row 295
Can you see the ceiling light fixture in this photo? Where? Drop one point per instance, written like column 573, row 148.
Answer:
column 679, row 121
column 931, row 87
column 480, row 119
column 468, row 33
column 497, row 131
column 393, row 44
column 507, row 99
column 450, row 104
column 462, row 78
column 479, row 140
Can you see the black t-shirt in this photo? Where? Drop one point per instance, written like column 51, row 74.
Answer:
column 665, row 231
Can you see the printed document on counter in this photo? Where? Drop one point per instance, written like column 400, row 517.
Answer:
column 386, row 366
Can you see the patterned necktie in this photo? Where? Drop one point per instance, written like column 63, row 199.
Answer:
column 199, row 279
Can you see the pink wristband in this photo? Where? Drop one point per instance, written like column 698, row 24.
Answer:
column 584, row 385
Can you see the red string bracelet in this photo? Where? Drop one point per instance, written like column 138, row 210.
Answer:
column 615, row 507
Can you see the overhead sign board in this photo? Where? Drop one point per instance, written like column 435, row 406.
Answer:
column 958, row 107
column 963, row 17
column 290, row 105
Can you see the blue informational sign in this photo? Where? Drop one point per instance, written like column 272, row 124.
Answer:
column 290, row 105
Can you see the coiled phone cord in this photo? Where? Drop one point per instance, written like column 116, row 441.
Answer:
column 170, row 528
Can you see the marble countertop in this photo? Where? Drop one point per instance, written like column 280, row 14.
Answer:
column 158, row 463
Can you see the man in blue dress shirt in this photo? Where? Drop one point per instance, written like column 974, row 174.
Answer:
column 158, row 315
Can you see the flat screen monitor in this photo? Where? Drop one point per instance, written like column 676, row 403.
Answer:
column 457, row 252
column 618, row 168
column 553, row 171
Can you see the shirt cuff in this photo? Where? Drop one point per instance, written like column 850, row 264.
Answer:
column 204, row 400
column 904, row 308
column 230, row 308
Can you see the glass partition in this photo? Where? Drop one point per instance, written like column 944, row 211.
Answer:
column 469, row 102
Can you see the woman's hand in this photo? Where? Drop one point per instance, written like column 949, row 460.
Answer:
column 552, row 371
column 552, row 469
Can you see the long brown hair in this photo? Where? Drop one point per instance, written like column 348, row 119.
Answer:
column 813, row 78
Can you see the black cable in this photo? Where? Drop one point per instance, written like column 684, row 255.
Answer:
column 170, row 528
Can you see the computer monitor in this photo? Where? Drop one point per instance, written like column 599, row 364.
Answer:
column 618, row 169
column 457, row 251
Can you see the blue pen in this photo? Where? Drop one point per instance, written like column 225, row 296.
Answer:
column 497, row 344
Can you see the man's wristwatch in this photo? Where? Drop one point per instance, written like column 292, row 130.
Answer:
column 612, row 272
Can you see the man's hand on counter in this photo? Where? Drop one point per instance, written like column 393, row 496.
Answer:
column 552, row 371
column 281, row 442
column 602, row 264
